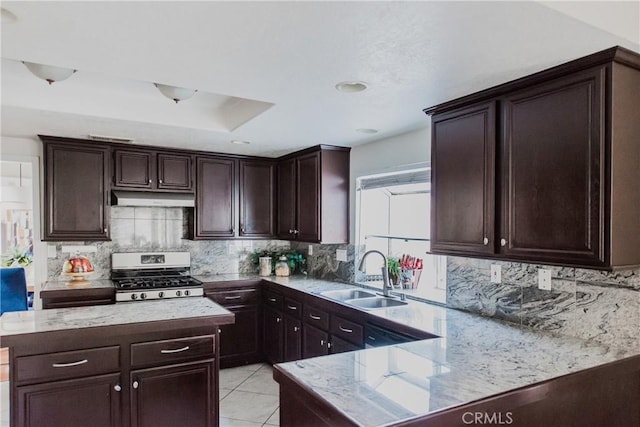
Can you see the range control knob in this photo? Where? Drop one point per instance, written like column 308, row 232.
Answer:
column 186, row 293
column 143, row 296
column 160, row 294
column 134, row 296
column 178, row 293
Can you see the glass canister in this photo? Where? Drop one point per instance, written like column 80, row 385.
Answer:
column 265, row 266
column 282, row 267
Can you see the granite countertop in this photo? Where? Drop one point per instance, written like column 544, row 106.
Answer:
column 63, row 285
column 229, row 277
column 476, row 358
column 60, row 319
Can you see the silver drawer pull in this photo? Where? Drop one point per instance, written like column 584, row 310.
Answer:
column 177, row 350
column 66, row 365
column 345, row 329
column 235, row 297
column 290, row 307
column 370, row 338
column 314, row 317
column 272, row 299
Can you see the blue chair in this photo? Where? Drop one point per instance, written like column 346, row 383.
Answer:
column 13, row 295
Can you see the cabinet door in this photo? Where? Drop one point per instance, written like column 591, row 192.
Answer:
column 273, row 335
column 174, row 172
column 308, row 198
column 286, row 220
column 257, row 199
column 91, row 401
column 241, row 339
column 553, row 194
column 463, row 180
column 215, row 198
column 178, row 395
column 339, row 345
column 76, row 191
column 315, row 342
column 292, row 339
column 134, row 169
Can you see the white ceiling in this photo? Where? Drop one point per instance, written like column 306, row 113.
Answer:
column 412, row 54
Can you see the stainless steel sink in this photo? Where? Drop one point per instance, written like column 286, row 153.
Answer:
column 347, row 294
column 374, row 302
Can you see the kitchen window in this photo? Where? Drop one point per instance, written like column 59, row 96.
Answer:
column 393, row 216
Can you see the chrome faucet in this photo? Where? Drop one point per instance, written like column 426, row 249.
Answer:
column 385, row 272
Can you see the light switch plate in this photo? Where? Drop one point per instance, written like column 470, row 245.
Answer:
column 310, row 251
column 544, row 279
column 496, row 273
column 51, row 251
column 341, row 255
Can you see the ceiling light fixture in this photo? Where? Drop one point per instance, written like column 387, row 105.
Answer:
column 8, row 16
column 351, row 87
column 175, row 93
column 240, row 142
column 48, row 72
column 367, row 131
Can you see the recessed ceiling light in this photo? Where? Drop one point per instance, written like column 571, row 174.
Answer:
column 351, row 87
column 367, row 131
column 8, row 16
column 240, row 142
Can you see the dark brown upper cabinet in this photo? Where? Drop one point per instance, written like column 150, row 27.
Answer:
column 313, row 195
column 257, row 198
column 152, row 170
column 76, row 190
column 462, row 177
column 215, row 210
column 543, row 169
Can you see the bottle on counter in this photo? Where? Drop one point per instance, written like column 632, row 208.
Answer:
column 265, row 266
column 282, row 267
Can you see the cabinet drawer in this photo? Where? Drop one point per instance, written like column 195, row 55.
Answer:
column 348, row 330
column 169, row 351
column 293, row 307
column 273, row 300
column 235, row 297
column 68, row 364
column 316, row 317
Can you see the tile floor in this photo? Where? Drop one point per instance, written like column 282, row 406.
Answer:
column 248, row 397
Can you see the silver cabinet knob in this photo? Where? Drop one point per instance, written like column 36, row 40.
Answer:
column 296, row 329
column 485, row 241
column 503, row 242
column 160, row 181
column 290, row 231
column 150, row 181
column 135, row 384
column 117, row 387
column 328, row 345
column 278, row 320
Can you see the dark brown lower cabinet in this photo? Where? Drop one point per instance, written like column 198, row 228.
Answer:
column 173, row 396
column 292, row 339
column 240, row 342
column 314, row 342
column 341, row 346
column 273, row 335
column 71, row 403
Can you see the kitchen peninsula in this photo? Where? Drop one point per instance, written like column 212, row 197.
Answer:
column 149, row 363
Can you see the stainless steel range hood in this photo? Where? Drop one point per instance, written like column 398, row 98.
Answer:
column 134, row 198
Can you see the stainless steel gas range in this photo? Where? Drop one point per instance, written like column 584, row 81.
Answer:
column 140, row 276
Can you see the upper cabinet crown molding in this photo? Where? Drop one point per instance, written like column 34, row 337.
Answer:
column 545, row 170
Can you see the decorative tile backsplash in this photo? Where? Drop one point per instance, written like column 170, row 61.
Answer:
column 138, row 229
column 589, row 304
column 322, row 264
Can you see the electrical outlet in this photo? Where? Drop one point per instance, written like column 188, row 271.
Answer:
column 310, row 251
column 544, row 279
column 496, row 273
column 51, row 251
column 341, row 255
